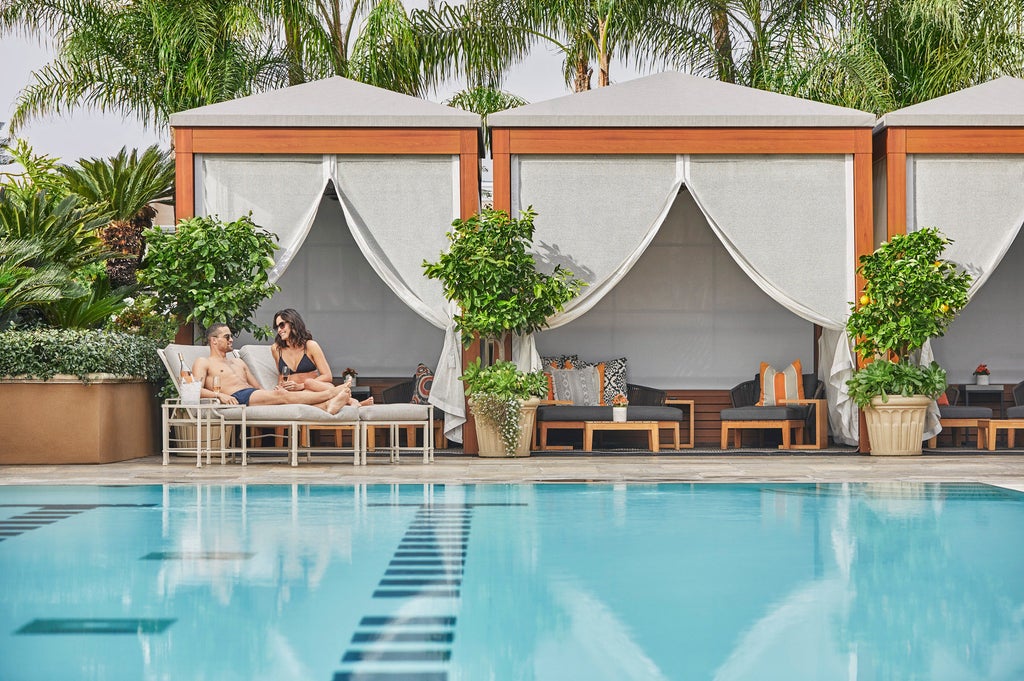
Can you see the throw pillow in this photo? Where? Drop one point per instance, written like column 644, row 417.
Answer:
column 578, row 386
column 943, row 400
column 423, row 379
column 613, row 377
column 779, row 386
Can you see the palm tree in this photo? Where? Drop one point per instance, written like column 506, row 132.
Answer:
column 23, row 285
column 484, row 101
column 143, row 58
column 482, row 39
column 887, row 54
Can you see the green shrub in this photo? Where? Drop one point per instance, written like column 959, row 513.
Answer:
column 43, row 353
column 209, row 271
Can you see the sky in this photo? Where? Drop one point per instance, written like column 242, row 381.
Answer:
column 85, row 133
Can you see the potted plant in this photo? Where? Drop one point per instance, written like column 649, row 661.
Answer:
column 981, row 374
column 619, row 405
column 490, row 274
column 348, row 373
column 97, row 385
column 504, row 401
column 910, row 296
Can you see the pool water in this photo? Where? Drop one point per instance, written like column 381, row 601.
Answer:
column 837, row 582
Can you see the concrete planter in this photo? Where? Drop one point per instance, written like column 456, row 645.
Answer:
column 896, row 427
column 66, row 421
column 489, row 439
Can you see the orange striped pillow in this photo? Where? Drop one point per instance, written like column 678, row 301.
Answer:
column 779, row 386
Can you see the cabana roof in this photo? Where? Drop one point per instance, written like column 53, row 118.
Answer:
column 997, row 103
column 677, row 100
column 330, row 103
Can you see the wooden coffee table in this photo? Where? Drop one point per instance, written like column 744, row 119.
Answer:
column 988, row 428
column 590, row 426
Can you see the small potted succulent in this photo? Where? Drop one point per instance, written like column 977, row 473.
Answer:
column 911, row 295
column 981, row 374
column 619, row 404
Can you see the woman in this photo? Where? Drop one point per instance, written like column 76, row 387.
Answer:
column 301, row 364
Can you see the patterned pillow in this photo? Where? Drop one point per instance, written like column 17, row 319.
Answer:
column 423, row 379
column 614, row 377
column 556, row 362
column 578, row 386
column 779, row 386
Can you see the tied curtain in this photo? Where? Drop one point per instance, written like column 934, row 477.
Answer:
column 785, row 220
column 977, row 202
column 389, row 202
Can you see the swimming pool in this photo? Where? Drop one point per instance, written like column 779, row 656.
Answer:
column 506, row 582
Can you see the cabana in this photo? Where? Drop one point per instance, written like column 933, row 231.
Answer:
column 716, row 225
column 360, row 184
column 957, row 163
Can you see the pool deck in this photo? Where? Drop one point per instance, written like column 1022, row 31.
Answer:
column 1006, row 470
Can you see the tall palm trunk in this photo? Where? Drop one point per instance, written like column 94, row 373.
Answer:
column 603, row 53
column 581, row 82
column 723, row 44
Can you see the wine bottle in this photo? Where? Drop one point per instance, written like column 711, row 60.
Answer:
column 186, row 372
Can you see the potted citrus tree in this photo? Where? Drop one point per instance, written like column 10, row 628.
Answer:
column 911, row 295
column 490, row 274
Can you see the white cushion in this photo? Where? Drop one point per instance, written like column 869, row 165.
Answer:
column 261, row 363
column 290, row 412
column 190, row 353
column 394, row 412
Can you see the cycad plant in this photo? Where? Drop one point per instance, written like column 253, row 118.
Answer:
column 23, row 284
column 124, row 185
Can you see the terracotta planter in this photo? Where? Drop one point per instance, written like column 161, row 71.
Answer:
column 66, row 421
column 896, row 427
column 489, row 439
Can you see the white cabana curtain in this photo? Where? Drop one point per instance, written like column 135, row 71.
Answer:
column 399, row 209
column 977, row 201
column 283, row 193
column 608, row 208
column 391, row 203
column 787, row 222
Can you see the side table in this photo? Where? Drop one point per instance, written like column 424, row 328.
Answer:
column 189, row 419
column 689, row 404
column 989, row 392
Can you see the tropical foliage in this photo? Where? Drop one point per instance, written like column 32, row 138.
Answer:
column 208, row 271
column 143, row 58
column 496, row 392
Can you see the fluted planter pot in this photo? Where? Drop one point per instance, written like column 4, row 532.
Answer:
column 896, row 427
column 489, row 439
column 63, row 420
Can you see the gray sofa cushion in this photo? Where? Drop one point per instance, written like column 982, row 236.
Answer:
column 798, row 412
column 1015, row 413
column 556, row 412
column 394, row 412
column 951, row 412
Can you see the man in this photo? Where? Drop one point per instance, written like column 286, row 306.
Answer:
column 237, row 385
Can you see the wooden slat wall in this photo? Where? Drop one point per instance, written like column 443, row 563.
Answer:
column 707, row 406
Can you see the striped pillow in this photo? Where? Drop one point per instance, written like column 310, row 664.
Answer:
column 780, row 386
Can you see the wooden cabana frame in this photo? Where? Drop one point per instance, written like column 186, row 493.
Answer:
column 333, row 116
column 677, row 115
